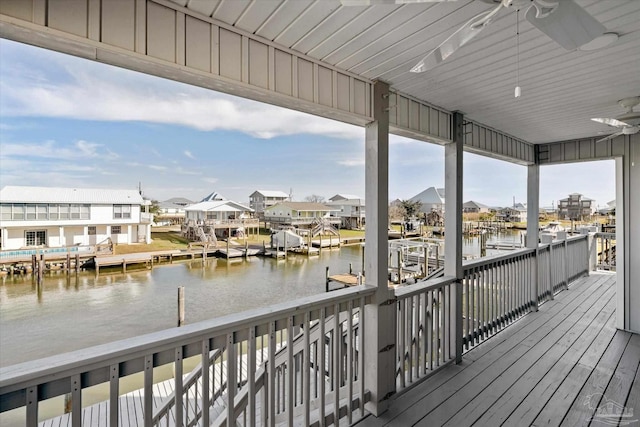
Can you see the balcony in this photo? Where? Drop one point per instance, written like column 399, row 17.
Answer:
column 304, row 362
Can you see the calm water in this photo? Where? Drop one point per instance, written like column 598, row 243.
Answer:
column 84, row 310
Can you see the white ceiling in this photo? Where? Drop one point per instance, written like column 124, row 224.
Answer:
column 561, row 90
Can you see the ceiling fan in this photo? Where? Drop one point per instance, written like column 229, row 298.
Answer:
column 563, row 21
column 628, row 123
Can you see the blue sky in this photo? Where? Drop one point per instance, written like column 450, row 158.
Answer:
column 69, row 122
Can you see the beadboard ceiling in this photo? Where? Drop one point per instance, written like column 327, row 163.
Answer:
column 561, row 90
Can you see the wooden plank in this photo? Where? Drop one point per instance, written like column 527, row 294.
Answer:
column 469, row 400
column 515, row 408
column 583, row 377
column 425, row 396
column 621, row 383
column 525, row 374
column 604, row 375
column 633, row 400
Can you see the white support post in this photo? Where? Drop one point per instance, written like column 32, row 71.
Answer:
column 380, row 315
column 453, row 153
column 533, row 225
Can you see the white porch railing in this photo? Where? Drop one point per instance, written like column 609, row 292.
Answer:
column 302, row 361
column 315, row 369
column 496, row 291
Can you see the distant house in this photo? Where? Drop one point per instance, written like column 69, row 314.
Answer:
column 300, row 214
column 259, row 200
column 431, row 199
column 512, row 214
column 218, row 214
column 172, row 211
column 575, row 207
column 351, row 210
column 60, row 217
column 474, row 207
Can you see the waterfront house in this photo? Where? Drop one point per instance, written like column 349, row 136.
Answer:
column 303, row 215
column 171, row 211
column 432, row 199
column 259, row 200
column 474, row 207
column 51, row 217
column 351, row 210
column 423, row 354
column 225, row 217
column 512, row 215
column 575, row 207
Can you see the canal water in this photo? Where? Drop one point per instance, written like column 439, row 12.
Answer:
column 83, row 310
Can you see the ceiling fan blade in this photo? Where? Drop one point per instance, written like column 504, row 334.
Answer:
column 611, row 122
column 609, row 137
column 372, row 2
column 456, row 40
column 567, row 24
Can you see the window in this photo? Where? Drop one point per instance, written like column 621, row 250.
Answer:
column 91, row 230
column 84, row 212
column 116, row 229
column 53, row 212
column 35, row 238
column 18, row 212
column 31, row 212
column 75, row 212
column 64, row 211
column 5, row 212
column 122, row 211
column 43, row 211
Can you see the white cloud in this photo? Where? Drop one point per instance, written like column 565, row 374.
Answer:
column 157, row 167
column 210, row 180
column 89, row 91
column 188, row 154
column 54, row 150
column 351, row 162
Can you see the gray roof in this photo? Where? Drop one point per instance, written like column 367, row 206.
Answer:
column 271, row 193
column 213, row 196
column 340, row 196
column 430, row 196
column 178, row 201
column 473, row 204
column 20, row 194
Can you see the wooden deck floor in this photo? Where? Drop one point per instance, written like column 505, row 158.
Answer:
column 564, row 365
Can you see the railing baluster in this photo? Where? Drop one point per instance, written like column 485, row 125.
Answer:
column 114, row 389
column 416, row 336
column 291, row 371
column 178, row 389
column 349, row 361
column 424, row 310
column 148, row 390
column 322, row 345
column 251, row 376
column 430, row 329
column 445, row 315
column 32, row 406
column 231, row 379
column 272, row 374
column 361, row 334
column 76, row 401
column 204, row 361
column 337, row 343
column 306, row 366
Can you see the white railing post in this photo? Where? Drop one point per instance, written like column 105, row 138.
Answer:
column 453, row 153
column 533, row 226
column 380, row 315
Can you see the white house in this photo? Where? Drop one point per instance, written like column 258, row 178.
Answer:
column 259, row 200
column 432, row 199
column 215, row 208
column 59, row 217
column 351, row 210
column 516, row 214
column 299, row 213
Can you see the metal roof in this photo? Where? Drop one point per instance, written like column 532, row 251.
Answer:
column 561, row 90
column 23, row 194
column 218, row 206
column 270, row 193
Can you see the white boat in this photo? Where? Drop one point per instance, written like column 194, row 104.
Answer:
column 552, row 229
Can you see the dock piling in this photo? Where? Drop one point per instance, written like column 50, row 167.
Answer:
column 180, row 306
